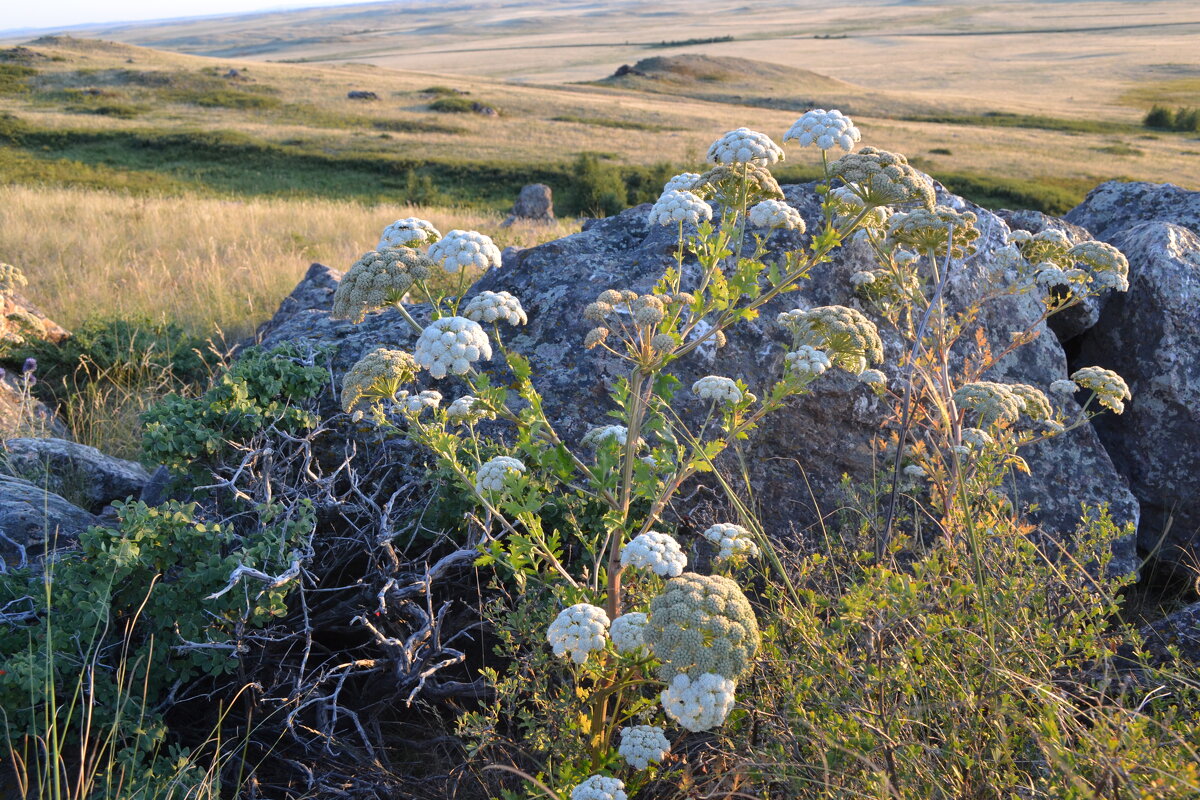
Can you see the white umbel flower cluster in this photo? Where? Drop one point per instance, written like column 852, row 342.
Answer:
column 1064, row 387
column 1110, row 388
column 493, row 306
column 416, row 403
column 597, row 437
column 654, row 551
column 717, row 389
column 410, row 232
column 683, row 182
column 463, row 411
column 451, row 344
column 676, row 205
column 807, row 360
column 643, row 745
column 578, row 630
column 599, row 787
column 775, row 214
column 494, row 473
column 873, row 377
column 825, row 129
column 700, row 704
column 744, row 146
column 731, row 540
column 460, row 249
column 628, row 632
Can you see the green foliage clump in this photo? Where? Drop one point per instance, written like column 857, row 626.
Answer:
column 1182, row 119
column 263, row 388
column 451, row 104
column 105, row 634
column 14, row 78
column 596, row 189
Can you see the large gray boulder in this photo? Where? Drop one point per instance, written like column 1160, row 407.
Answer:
column 77, row 470
column 535, row 203
column 799, row 457
column 1115, row 205
column 34, row 520
column 1151, row 337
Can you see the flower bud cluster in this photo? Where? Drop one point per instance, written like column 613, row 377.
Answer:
column 679, row 205
column 724, row 184
column 849, row 339
column 806, row 360
column 1064, row 387
column 598, row 437
column 495, row 473
column 460, row 249
column 657, row 552
column 578, row 630
column 883, row 178
column 931, row 229
column 1109, row 387
column 493, row 306
column 410, row 232
column 744, row 146
column 1109, row 267
column 716, row 389
column 700, row 624
column 731, row 540
column 848, row 206
column 377, row 376
column 776, row 214
column 825, row 129
column 465, row 411
column 643, row 745
column 414, row 404
column 599, row 787
column 683, row 182
column 628, row 632
column 11, row 278
column 700, row 704
column 452, row 344
column 992, row 402
column 378, row 279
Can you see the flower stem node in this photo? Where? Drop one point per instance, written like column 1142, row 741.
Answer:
column 578, row 630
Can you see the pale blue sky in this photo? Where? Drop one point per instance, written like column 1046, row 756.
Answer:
column 70, row 13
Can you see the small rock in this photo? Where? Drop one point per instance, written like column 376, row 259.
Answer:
column 34, row 519
column 535, row 203
column 362, row 95
column 487, row 111
column 75, row 469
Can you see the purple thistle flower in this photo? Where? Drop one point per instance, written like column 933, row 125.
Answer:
column 30, row 366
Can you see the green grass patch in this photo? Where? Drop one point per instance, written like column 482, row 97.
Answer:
column 444, row 91
column 621, row 124
column 1003, row 119
column 1120, row 149
column 14, row 78
column 316, row 117
column 452, row 105
column 222, row 98
column 1054, row 196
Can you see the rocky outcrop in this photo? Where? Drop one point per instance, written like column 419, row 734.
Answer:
column 82, row 472
column 800, row 456
column 1115, row 205
column 1151, row 337
column 20, row 413
column 1176, row 631
column 535, row 203
column 33, row 520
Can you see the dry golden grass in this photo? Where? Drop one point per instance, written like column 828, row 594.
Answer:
column 205, row 264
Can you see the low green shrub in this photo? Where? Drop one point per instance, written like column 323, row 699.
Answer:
column 451, row 104
column 14, row 78
column 1182, row 119
column 94, row 647
column 263, row 388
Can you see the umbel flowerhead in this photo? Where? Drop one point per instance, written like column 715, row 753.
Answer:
column 494, row 307
column 849, row 339
column 377, row 376
column 679, row 205
column 702, row 624
column 744, row 146
column 577, row 631
column 379, row 278
column 410, row 232
column 925, row 229
column 460, row 249
column 494, row 475
column 11, row 278
column 700, row 703
column 452, row 344
column 643, row 745
column 775, row 214
column 882, row 178
column 723, row 183
column 1110, row 388
column 657, row 552
column 824, row 129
